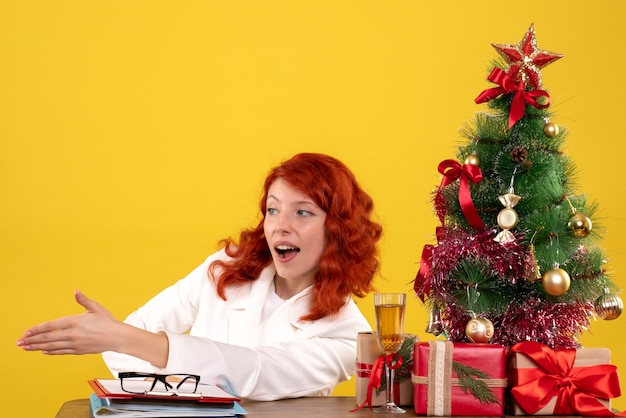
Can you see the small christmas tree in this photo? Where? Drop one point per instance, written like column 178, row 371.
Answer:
column 516, row 257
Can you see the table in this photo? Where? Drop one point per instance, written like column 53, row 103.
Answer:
column 327, row 407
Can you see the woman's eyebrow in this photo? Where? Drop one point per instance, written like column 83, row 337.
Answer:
column 297, row 202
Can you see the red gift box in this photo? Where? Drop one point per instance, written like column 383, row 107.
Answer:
column 459, row 379
column 543, row 381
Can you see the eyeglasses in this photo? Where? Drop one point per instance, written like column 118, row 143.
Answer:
column 145, row 383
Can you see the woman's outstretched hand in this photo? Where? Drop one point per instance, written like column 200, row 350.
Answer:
column 94, row 332
column 88, row 333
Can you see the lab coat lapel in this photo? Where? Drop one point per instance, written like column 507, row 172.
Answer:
column 285, row 321
column 300, row 305
column 244, row 312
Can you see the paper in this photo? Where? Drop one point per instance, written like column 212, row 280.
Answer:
column 112, row 389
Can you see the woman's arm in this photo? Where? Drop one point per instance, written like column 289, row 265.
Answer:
column 95, row 331
column 140, row 344
column 173, row 310
column 311, row 364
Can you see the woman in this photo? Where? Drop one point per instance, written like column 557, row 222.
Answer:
column 270, row 316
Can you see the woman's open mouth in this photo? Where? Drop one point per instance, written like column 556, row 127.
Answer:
column 285, row 251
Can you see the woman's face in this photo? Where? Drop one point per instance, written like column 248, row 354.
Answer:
column 294, row 230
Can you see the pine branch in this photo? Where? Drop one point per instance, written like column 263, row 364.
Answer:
column 479, row 388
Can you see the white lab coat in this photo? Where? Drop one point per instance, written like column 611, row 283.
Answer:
column 228, row 343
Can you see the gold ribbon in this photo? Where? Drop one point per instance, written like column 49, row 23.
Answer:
column 454, row 381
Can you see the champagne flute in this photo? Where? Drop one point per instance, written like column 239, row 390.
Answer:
column 390, row 329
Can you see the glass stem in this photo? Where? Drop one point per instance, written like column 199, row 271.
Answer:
column 390, row 376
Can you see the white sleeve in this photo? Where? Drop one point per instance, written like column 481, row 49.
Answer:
column 292, row 369
column 172, row 310
column 322, row 355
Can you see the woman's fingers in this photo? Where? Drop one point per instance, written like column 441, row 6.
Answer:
column 41, row 330
column 85, row 333
column 78, row 334
column 47, row 343
column 44, row 337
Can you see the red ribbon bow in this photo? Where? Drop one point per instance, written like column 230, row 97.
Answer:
column 392, row 361
column 422, row 282
column 577, row 388
column 421, row 285
column 508, row 85
column 451, row 171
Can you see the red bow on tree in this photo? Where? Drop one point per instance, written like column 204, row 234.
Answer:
column 451, row 171
column 422, row 282
column 507, row 84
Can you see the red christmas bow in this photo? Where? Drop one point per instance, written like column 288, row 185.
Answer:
column 393, row 361
column 451, row 171
column 508, row 85
column 421, row 284
column 577, row 388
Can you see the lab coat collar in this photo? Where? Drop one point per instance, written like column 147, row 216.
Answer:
column 251, row 299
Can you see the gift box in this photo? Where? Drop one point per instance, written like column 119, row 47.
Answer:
column 543, row 381
column 367, row 353
column 459, row 379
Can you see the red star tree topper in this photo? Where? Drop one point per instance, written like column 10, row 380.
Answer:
column 526, row 59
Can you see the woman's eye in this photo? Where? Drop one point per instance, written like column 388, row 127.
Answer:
column 303, row 212
column 270, row 211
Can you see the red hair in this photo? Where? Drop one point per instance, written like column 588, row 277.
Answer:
column 350, row 259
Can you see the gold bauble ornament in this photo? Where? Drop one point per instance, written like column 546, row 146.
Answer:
column 479, row 330
column 579, row 224
column 555, row 281
column 472, row 159
column 550, row 129
column 609, row 306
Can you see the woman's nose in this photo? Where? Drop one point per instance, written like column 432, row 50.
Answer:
column 283, row 224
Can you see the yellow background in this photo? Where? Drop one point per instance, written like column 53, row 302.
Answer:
column 135, row 134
